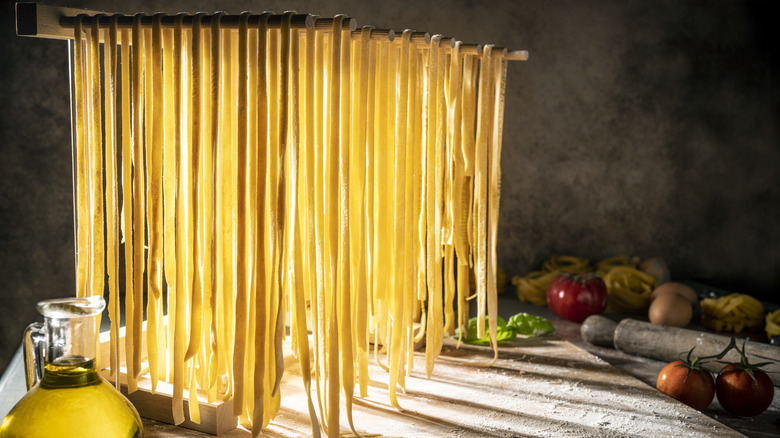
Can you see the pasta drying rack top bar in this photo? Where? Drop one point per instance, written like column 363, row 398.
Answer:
column 57, row 22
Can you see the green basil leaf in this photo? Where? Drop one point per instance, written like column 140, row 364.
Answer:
column 503, row 333
column 530, row 325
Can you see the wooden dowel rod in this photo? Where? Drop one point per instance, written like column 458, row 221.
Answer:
column 379, row 34
column 326, row 24
column 376, row 34
column 471, row 49
column 417, row 38
column 517, row 55
column 497, row 52
column 420, row 38
column 443, row 42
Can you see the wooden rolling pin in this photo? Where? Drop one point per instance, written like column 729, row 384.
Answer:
column 666, row 343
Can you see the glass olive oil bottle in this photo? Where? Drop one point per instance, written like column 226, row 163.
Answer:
column 66, row 395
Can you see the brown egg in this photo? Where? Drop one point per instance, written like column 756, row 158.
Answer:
column 670, row 309
column 656, row 266
column 683, row 290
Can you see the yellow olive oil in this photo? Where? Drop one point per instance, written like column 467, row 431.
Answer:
column 72, row 400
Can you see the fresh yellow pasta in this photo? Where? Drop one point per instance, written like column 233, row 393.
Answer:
column 493, row 199
column 207, row 355
column 259, row 176
column 179, row 303
column 127, row 206
column 139, row 223
column 432, row 248
column 460, row 186
column 82, row 209
column 318, row 306
column 195, row 211
column 195, row 208
column 97, row 255
column 112, row 132
column 279, row 136
column 498, row 69
column 169, row 196
column 279, row 170
column 333, row 227
column 284, row 141
column 408, row 290
column 398, row 286
column 440, row 128
column 154, row 212
column 480, row 189
column 211, row 121
column 420, row 169
column 307, row 228
column 380, row 191
column 452, row 69
column 226, row 199
column 416, row 264
column 359, row 210
column 244, row 260
column 344, row 284
column 469, row 96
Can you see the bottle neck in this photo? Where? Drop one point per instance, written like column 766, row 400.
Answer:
column 70, row 340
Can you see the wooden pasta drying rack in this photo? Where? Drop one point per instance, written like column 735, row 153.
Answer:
column 58, row 23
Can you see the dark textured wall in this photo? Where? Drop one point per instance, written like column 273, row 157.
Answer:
column 636, row 127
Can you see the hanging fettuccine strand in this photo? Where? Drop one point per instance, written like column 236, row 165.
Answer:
column 112, row 133
column 154, row 196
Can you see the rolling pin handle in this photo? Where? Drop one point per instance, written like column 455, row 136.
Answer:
column 599, row 330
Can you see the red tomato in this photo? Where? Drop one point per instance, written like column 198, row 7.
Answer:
column 575, row 296
column 739, row 394
column 696, row 389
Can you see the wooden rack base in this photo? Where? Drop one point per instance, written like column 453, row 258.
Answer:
column 215, row 418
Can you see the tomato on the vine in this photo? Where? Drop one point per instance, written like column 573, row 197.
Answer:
column 687, row 383
column 742, row 388
column 743, row 394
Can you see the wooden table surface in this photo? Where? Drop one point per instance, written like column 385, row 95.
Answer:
column 557, row 386
column 539, row 387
